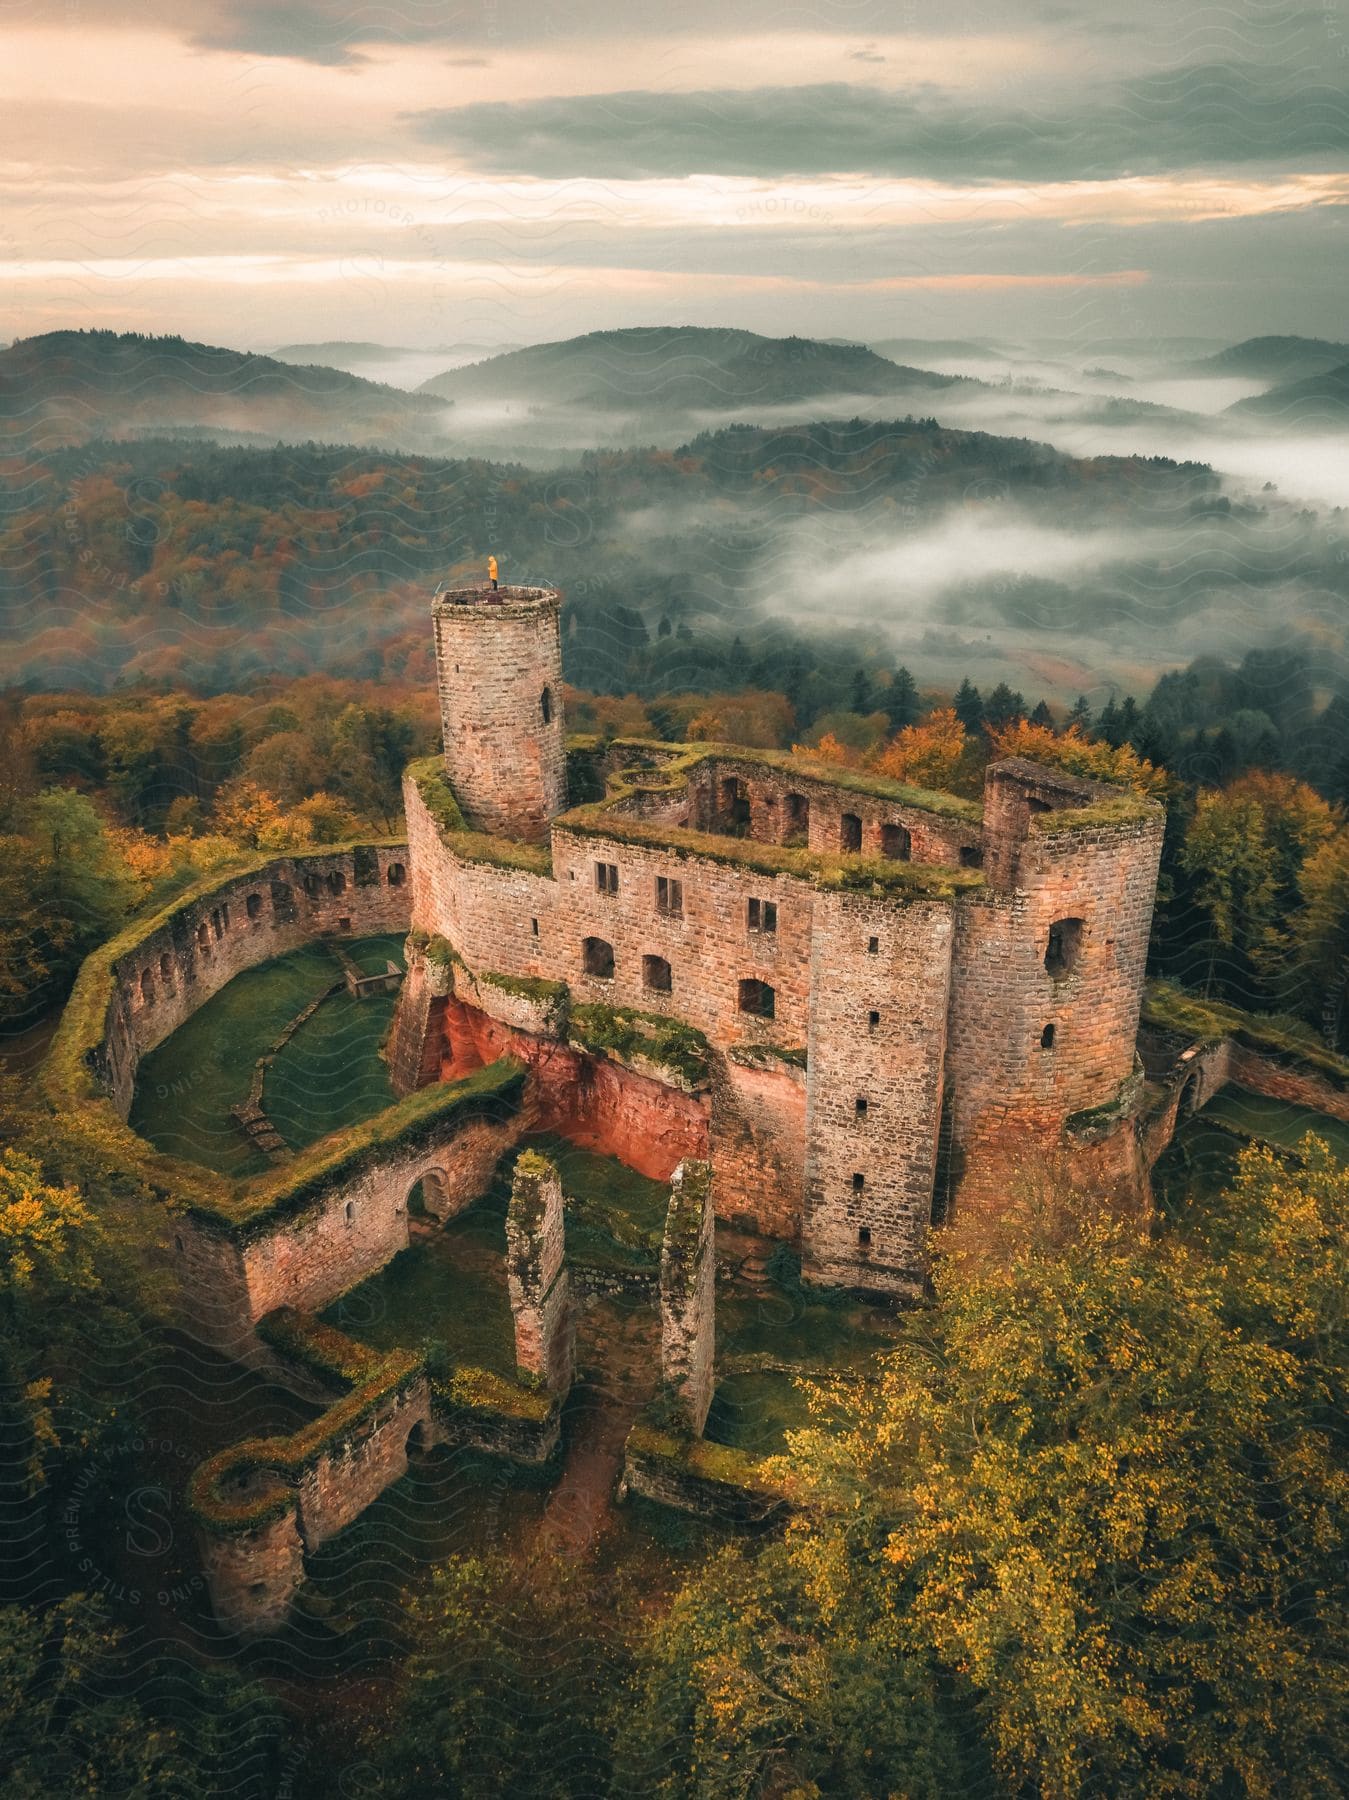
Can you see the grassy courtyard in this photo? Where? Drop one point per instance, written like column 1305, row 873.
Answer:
column 329, row 1075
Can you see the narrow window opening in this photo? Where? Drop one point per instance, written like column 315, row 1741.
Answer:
column 344, row 924
column 896, row 843
column 669, row 896
column 203, row 937
column 762, row 915
column 166, row 967
column 734, row 805
column 757, row 998
column 860, row 1106
column 178, row 1240
column 873, row 946
column 598, row 958
column 864, row 1237
column 858, row 1183
column 397, row 875
column 253, row 906
column 1047, row 1038
column 313, row 886
column 873, row 1021
column 656, row 974
column 796, row 823
column 1065, row 940
column 337, row 881
column 533, row 927
column 606, row 877
column 546, row 705
column 850, row 832
column 351, row 1212
column 147, row 985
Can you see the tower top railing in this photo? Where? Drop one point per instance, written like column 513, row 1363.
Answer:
column 492, row 599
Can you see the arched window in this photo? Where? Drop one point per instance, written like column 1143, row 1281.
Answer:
column 350, row 1212
column 203, row 937
column 397, row 874
column 757, row 998
column 896, row 843
column 546, row 705
column 1047, row 1038
column 656, row 974
column 166, row 967
column 253, row 906
column 313, row 886
column 597, row 958
column 147, row 985
column 1065, row 940
column 336, row 882
column 850, row 832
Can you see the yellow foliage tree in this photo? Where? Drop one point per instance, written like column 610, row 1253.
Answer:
column 935, row 753
column 1091, row 758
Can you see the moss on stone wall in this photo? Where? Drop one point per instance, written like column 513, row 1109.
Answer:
column 437, row 796
column 1128, row 809
column 1167, row 1007
column 484, row 1391
column 336, row 1160
column 277, row 1464
column 861, row 874
column 632, row 1036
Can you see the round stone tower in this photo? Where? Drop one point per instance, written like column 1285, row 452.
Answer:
column 499, row 674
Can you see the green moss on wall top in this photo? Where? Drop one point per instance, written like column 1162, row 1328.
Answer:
column 626, row 1034
column 437, row 796
column 1167, row 1007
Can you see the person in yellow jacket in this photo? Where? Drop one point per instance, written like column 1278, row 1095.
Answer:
column 492, row 570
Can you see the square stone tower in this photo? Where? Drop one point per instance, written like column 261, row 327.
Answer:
column 499, row 675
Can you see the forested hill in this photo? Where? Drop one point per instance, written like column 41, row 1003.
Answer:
column 1274, row 358
column 1316, row 402
column 68, row 387
column 208, row 565
column 685, row 368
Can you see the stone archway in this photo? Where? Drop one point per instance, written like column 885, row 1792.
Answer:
column 428, row 1196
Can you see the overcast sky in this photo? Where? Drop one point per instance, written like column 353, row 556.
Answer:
column 255, row 173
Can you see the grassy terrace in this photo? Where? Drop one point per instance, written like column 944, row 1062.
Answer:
column 327, row 1077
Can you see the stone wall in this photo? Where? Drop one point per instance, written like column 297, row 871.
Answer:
column 245, row 920
column 768, row 804
column 881, row 975
column 347, row 1230
column 1032, row 1046
column 536, row 1275
column 499, row 671
column 688, row 1272
column 352, row 1474
column 253, row 1576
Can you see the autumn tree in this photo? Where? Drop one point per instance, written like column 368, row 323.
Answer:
column 1095, row 1498
column 1079, row 755
column 938, row 753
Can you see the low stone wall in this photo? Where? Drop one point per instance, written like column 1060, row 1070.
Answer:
column 149, row 980
column 263, row 1506
column 711, row 1481
column 339, row 1211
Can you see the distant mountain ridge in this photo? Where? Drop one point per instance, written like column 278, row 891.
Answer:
column 1280, row 359
column 67, row 386
column 683, row 368
column 1320, row 400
